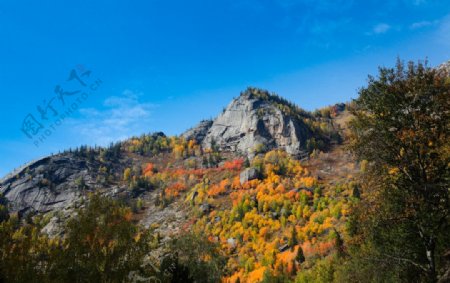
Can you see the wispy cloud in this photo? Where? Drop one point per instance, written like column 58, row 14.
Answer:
column 381, row 28
column 422, row 24
column 122, row 117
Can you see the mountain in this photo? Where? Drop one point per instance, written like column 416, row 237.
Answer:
column 258, row 119
column 263, row 157
column 253, row 123
column 244, row 162
column 268, row 186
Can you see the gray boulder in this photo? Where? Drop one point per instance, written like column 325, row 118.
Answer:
column 232, row 242
column 205, row 208
column 248, row 175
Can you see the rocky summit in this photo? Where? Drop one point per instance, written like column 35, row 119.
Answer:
column 253, row 121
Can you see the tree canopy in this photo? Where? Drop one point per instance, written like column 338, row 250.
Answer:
column 401, row 127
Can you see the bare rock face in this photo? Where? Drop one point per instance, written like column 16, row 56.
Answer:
column 251, row 121
column 57, row 182
column 199, row 132
column 248, row 175
column 45, row 185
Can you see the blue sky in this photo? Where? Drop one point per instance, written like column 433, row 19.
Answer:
column 165, row 65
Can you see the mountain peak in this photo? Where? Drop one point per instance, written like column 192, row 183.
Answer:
column 257, row 121
column 255, row 93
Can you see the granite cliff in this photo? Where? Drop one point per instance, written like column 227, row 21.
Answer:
column 256, row 121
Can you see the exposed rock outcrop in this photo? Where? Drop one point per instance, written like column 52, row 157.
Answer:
column 254, row 119
column 248, row 175
column 51, row 183
column 199, row 132
column 45, row 185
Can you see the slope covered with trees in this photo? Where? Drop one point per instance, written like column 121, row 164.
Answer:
column 369, row 205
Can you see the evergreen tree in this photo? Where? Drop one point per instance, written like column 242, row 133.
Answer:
column 300, row 257
column 292, row 242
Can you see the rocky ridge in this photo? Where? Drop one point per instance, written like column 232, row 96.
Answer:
column 255, row 119
column 253, row 122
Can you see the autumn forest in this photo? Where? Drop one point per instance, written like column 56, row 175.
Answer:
column 367, row 200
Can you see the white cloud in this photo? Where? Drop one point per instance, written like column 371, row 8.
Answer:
column 381, row 28
column 422, row 24
column 123, row 117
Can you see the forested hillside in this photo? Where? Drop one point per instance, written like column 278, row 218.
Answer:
column 265, row 192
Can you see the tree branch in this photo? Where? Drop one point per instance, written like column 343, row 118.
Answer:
column 407, row 261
